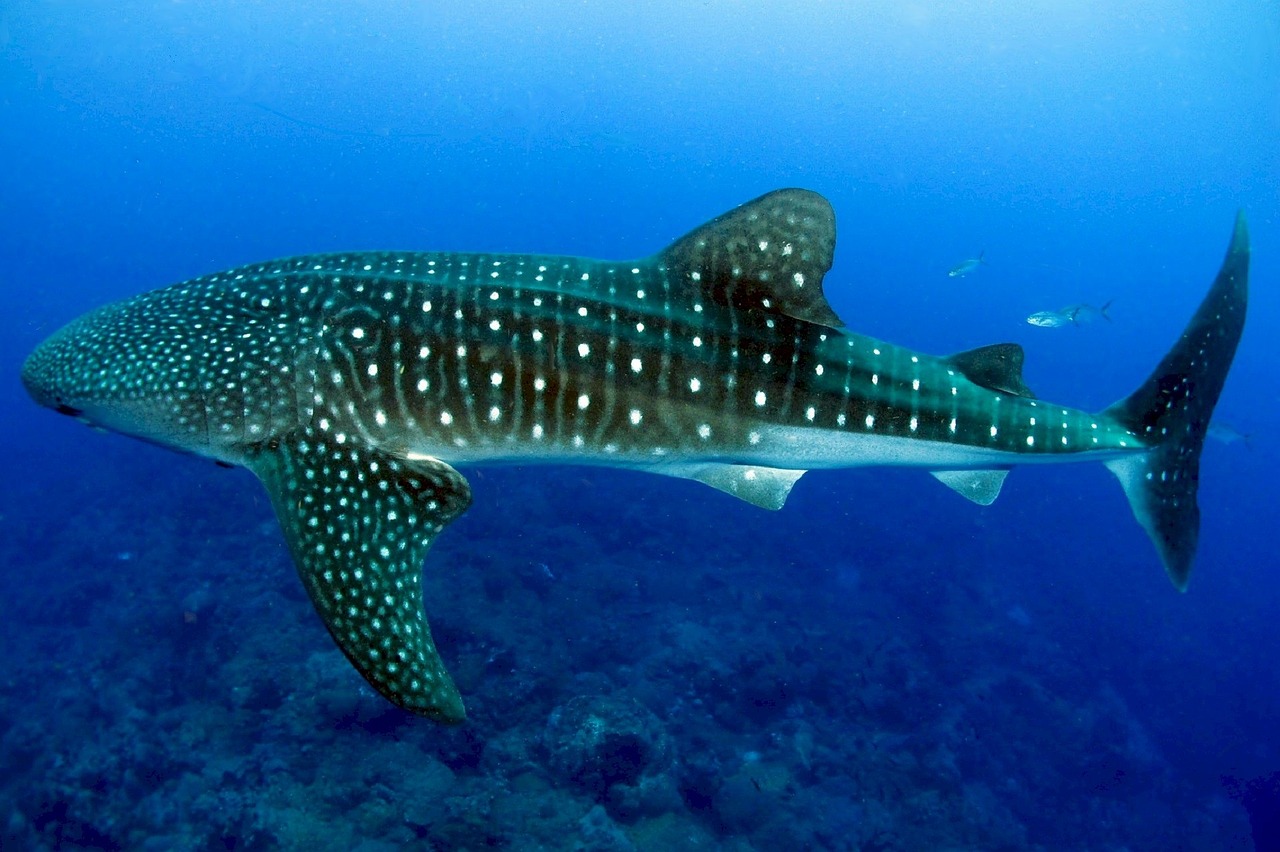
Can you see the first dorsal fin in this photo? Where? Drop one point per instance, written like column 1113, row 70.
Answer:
column 769, row 254
column 996, row 367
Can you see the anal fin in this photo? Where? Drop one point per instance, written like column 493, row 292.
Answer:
column 359, row 522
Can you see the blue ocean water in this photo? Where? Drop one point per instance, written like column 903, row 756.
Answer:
column 880, row 665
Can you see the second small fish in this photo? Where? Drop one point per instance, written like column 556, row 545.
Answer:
column 964, row 267
column 1070, row 315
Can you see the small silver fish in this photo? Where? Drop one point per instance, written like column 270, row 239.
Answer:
column 1070, row 315
column 1049, row 319
column 964, row 267
column 1225, row 433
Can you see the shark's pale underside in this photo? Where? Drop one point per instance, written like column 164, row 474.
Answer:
column 351, row 383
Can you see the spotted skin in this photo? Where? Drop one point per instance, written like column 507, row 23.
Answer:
column 349, row 383
column 359, row 523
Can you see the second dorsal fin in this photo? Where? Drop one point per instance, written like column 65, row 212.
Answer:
column 997, row 367
column 769, row 254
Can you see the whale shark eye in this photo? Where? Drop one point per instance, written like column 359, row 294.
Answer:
column 68, row 410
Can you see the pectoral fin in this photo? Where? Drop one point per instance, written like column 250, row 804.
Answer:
column 359, row 523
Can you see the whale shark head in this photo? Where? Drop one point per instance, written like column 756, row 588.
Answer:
column 100, row 370
column 195, row 368
column 225, row 367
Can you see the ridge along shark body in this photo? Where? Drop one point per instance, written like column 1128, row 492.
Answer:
column 350, row 383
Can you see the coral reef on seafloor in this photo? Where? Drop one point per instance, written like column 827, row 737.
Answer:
column 636, row 677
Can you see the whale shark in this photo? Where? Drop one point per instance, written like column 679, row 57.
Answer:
column 351, row 384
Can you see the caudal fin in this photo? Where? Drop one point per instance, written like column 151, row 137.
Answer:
column 1171, row 411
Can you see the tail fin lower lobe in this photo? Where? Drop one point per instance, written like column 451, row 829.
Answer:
column 1171, row 412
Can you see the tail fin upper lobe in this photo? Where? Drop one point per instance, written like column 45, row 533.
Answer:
column 1171, row 411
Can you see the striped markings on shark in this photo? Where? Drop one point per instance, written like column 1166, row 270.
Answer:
column 350, row 384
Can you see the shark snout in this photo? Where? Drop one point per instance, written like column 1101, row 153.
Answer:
column 112, row 369
column 59, row 375
column 38, row 377
column 83, row 369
